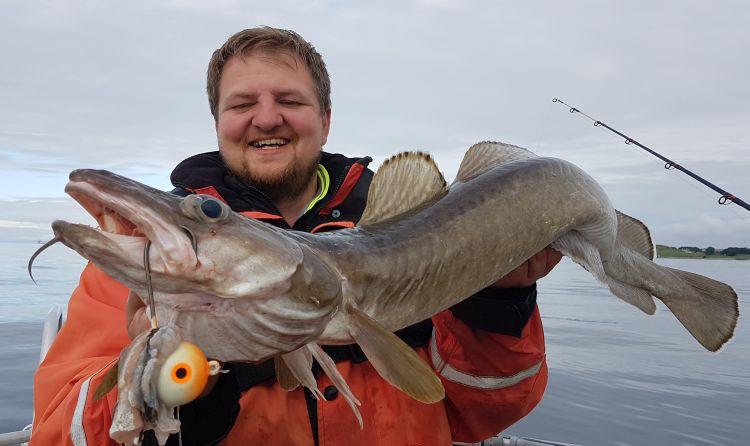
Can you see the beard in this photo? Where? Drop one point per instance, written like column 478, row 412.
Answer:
column 285, row 186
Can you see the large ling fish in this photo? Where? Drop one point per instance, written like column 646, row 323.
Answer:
column 242, row 290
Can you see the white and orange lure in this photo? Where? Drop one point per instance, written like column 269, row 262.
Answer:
column 184, row 375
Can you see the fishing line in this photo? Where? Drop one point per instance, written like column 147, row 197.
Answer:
column 149, row 286
column 179, row 432
column 725, row 197
column 193, row 240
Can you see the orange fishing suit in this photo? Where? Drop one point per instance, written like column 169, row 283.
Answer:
column 488, row 351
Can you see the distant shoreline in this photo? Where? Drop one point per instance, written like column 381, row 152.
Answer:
column 705, row 257
column 669, row 252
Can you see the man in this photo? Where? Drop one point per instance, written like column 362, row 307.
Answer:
column 269, row 94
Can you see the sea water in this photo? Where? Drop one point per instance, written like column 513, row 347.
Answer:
column 617, row 376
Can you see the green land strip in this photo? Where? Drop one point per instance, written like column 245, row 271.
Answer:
column 669, row 252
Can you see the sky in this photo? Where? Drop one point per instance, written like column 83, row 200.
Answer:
column 121, row 86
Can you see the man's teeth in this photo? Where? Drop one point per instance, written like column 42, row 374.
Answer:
column 269, row 143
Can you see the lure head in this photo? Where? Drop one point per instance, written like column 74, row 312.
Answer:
column 157, row 372
column 184, row 375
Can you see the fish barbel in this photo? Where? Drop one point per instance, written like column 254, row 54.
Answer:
column 243, row 290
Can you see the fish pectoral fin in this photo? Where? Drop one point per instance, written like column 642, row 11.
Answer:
column 404, row 182
column 329, row 368
column 295, row 368
column 484, row 156
column 108, row 383
column 394, row 360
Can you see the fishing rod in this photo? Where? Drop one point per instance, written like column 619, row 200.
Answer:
column 725, row 198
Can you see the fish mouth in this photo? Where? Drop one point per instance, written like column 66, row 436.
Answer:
column 130, row 223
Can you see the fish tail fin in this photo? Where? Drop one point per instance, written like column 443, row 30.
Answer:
column 707, row 308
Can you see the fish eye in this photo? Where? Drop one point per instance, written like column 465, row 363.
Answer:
column 204, row 208
column 211, row 208
column 183, row 376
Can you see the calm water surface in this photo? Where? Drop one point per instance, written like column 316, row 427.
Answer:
column 617, row 376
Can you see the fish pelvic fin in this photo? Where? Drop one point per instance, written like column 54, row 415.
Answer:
column 329, row 368
column 403, row 182
column 284, row 375
column 485, row 155
column 295, row 368
column 394, row 360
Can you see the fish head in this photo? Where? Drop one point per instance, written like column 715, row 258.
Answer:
column 196, row 243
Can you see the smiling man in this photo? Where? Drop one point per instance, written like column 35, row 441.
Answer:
column 269, row 93
column 271, row 125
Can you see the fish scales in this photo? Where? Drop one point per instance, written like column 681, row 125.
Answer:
column 463, row 242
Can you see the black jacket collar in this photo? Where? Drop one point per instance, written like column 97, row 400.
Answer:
column 207, row 170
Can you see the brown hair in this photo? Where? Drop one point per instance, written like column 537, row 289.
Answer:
column 272, row 40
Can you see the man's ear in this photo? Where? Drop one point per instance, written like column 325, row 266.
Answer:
column 326, row 126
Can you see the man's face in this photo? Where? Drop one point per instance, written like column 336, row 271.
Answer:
column 270, row 126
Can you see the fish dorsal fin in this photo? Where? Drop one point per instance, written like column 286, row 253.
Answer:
column 394, row 360
column 485, row 155
column 635, row 235
column 404, row 182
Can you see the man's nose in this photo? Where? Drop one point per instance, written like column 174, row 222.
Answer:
column 267, row 116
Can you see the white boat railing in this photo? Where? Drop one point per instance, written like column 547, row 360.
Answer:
column 15, row 438
column 51, row 327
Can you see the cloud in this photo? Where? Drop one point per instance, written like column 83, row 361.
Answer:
column 10, row 224
column 82, row 90
column 723, row 232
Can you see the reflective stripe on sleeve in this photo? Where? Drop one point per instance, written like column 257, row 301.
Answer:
column 76, row 426
column 478, row 382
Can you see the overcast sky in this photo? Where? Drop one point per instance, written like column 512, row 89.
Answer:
column 121, row 86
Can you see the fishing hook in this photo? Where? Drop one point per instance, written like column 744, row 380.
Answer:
column 193, row 239
column 149, row 285
column 39, row 251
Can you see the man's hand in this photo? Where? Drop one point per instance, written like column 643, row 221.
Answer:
column 136, row 320
column 538, row 266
